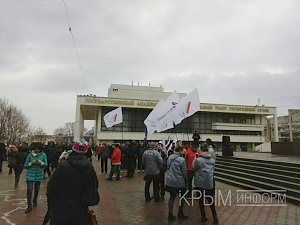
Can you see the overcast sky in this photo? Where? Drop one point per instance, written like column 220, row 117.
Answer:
column 233, row 51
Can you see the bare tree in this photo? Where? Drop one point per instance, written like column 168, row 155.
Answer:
column 39, row 134
column 13, row 122
column 67, row 130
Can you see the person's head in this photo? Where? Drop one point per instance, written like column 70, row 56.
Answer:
column 152, row 145
column 178, row 149
column 179, row 143
column 204, row 147
column 37, row 147
column 13, row 148
column 80, row 146
column 195, row 147
column 160, row 146
column 208, row 141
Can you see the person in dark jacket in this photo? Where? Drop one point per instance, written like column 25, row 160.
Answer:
column 153, row 163
column 131, row 158
column 50, row 153
column 72, row 188
column 104, row 153
column 20, row 157
column 162, row 170
column 2, row 154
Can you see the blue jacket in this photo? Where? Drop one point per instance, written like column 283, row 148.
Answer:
column 176, row 171
column 152, row 161
column 35, row 172
column 204, row 167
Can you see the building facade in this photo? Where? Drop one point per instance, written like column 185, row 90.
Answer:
column 289, row 126
column 243, row 123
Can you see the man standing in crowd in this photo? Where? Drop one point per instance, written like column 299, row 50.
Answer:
column 204, row 181
column 115, row 162
column 196, row 138
column 19, row 157
column 35, row 163
column 72, row 188
column 98, row 151
column 131, row 155
column 104, row 153
column 153, row 163
column 162, row 170
column 191, row 154
column 2, row 154
column 141, row 149
column 175, row 181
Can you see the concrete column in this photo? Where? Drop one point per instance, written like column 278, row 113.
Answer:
column 276, row 139
column 79, row 122
column 98, row 121
column 290, row 126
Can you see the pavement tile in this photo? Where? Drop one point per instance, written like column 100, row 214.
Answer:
column 122, row 203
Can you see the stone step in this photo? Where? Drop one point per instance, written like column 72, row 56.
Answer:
column 261, row 167
column 258, row 183
column 271, row 164
column 259, row 173
column 243, row 185
column 266, row 179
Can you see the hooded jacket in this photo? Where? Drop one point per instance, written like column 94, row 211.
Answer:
column 176, row 171
column 152, row 161
column 204, row 167
column 66, row 188
column 35, row 172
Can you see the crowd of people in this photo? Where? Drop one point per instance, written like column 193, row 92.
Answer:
column 181, row 170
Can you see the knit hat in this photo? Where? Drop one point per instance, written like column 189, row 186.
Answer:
column 80, row 146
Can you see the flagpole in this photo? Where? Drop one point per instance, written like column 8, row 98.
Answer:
column 122, row 131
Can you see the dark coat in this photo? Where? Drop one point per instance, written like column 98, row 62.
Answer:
column 66, row 188
column 2, row 151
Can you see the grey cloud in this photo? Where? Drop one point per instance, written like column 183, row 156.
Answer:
column 233, row 51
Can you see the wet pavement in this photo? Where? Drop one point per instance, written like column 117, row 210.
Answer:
column 122, row 202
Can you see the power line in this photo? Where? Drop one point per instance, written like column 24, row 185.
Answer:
column 77, row 55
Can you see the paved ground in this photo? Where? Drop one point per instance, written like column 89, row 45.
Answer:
column 122, row 203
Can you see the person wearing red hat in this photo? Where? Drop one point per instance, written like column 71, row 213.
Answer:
column 72, row 188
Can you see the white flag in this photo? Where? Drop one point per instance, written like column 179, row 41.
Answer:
column 150, row 121
column 159, row 117
column 172, row 111
column 189, row 104
column 113, row 117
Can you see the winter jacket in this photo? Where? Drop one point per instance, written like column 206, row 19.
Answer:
column 35, row 172
column 2, row 151
column 20, row 157
column 152, row 161
column 190, row 156
column 116, row 156
column 176, row 171
column 204, row 167
column 67, row 187
column 212, row 152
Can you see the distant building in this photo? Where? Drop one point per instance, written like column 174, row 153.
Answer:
column 289, row 126
column 243, row 123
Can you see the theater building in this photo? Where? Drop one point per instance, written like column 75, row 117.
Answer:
column 244, row 124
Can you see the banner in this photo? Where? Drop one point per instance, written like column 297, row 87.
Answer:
column 158, row 119
column 172, row 111
column 113, row 117
column 189, row 104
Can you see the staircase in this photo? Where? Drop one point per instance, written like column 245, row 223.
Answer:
column 259, row 175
